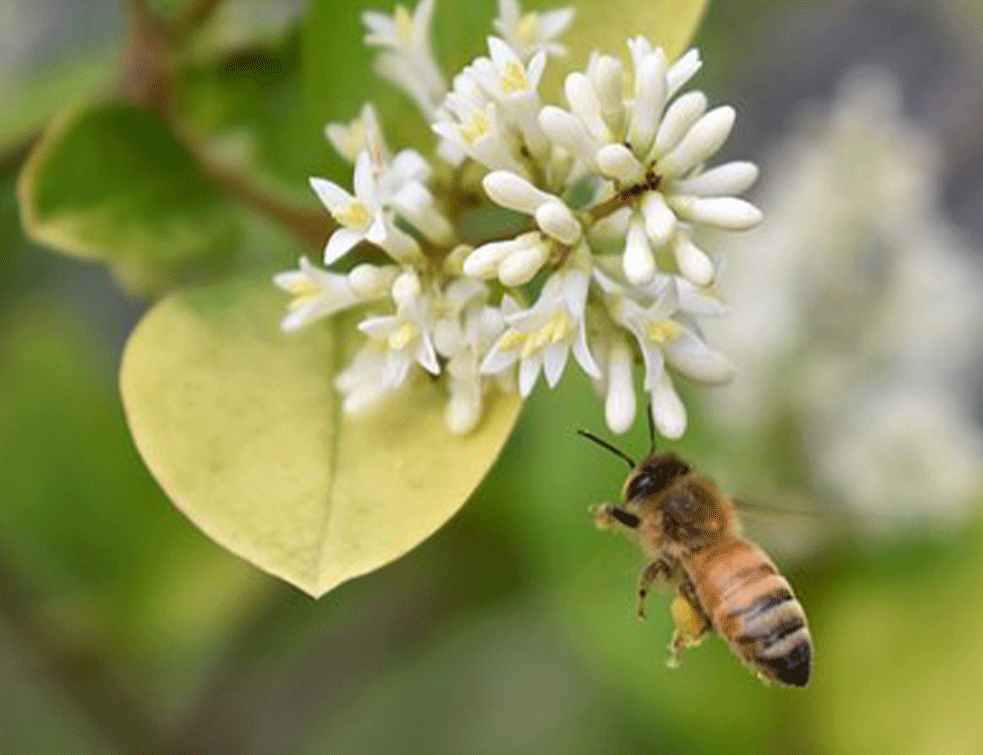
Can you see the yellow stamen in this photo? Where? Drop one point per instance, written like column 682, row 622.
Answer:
column 665, row 331
column 556, row 329
column 402, row 336
column 513, row 340
column 356, row 215
column 479, row 126
column 514, row 78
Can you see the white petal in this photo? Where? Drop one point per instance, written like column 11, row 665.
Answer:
column 519, row 267
column 340, row 243
column 331, row 194
column 620, row 403
column 691, row 356
column 498, row 360
column 609, row 84
column 668, row 410
column 683, row 70
column 556, row 220
column 693, row 263
column 364, row 180
column 415, row 203
column 568, row 131
column 483, row 262
column 684, row 111
column 660, row 221
column 370, row 281
column 427, row 356
column 581, row 353
column 618, row 162
column 724, row 180
column 462, row 413
column 586, row 106
column 406, row 288
column 554, row 361
column 553, row 23
column 728, row 213
column 400, row 245
column 514, row 192
column 702, row 140
column 528, row 372
column 638, row 260
column 650, row 93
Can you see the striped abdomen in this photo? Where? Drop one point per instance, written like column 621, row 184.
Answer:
column 752, row 606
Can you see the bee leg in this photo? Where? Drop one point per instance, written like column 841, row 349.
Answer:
column 691, row 622
column 606, row 515
column 658, row 568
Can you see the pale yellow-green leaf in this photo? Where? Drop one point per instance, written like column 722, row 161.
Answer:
column 241, row 426
column 605, row 26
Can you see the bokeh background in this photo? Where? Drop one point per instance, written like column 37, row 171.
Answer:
column 857, row 329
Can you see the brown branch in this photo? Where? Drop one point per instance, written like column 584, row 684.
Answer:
column 310, row 227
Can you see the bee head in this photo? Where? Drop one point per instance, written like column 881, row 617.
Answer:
column 654, row 475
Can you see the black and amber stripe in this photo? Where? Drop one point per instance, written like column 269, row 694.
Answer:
column 752, row 606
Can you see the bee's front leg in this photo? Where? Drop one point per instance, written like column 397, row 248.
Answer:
column 658, row 568
column 606, row 515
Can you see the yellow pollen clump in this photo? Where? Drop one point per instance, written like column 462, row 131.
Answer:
column 514, row 78
column 355, row 215
column 404, row 23
column 664, row 331
column 479, row 126
column 402, row 336
column 528, row 30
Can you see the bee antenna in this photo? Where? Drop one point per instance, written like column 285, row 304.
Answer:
column 609, row 447
column 651, row 419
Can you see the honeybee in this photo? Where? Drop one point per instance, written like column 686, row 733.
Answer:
column 690, row 532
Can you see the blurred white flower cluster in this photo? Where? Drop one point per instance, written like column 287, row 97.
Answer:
column 596, row 258
column 858, row 315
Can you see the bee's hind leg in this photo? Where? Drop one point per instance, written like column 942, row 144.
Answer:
column 690, row 620
column 658, row 568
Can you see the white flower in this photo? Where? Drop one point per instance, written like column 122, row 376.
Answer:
column 531, row 32
column 652, row 155
column 361, row 217
column 540, row 338
column 663, row 338
column 407, row 59
column 318, row 293
column 470, row 121
column 513, row 85
column 363, row 133
column 407, row 336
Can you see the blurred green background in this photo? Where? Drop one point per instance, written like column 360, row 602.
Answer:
column 124, row 630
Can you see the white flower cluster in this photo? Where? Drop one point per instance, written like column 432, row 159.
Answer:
column 858, row 316
column 613, row 187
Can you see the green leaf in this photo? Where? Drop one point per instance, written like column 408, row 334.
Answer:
column 241, row 426
column 28, row 102
column 112, row 183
